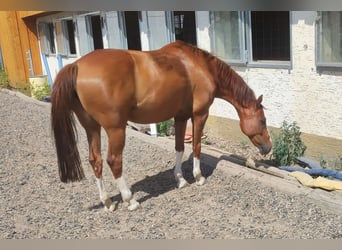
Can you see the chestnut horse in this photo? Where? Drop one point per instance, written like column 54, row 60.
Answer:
column 106, row 88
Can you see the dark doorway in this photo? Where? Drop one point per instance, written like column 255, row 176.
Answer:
column 97, row 32
column 132, row 30
column 185, row 26
column 71, row 37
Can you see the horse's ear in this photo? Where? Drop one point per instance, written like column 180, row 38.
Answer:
column 259, row 101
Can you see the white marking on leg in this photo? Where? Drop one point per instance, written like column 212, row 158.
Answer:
column 124, row 190
column 100, row 185
column 105, row 199
column 178, row 168
column 197, row 172
column 126, row 194
column 181, row 182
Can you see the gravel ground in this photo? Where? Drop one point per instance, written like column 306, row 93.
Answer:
column 234, row 203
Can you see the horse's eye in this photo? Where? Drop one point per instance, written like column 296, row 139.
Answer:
column 263, row 122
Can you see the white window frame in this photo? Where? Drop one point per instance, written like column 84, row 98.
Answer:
column 90, row 30
column 265, row 63
column 64, row 42
column 84, row 32
column 45, row 39
column 154, row 28
column 241, row 35
column 170, row 26
column 246, row 50
column 319, row 30
column 114, row 30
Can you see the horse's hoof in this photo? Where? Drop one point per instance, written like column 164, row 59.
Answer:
column 111, row 208
column 133, row 205
column 200, row 181
column 182, row 183
column 108, row 204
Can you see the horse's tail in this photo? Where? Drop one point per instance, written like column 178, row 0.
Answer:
column 63, row 99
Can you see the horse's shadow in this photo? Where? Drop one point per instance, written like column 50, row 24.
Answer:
column 164, row 181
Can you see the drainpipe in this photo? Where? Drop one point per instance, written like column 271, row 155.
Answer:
column 46, row 65
column 60, row 62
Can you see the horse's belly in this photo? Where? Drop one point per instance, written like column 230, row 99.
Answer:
column 154, row 113
column 151, row 115
column 158, row 101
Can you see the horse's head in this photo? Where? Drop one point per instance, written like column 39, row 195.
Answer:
column 253, row 124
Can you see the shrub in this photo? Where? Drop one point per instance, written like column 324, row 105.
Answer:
column 287, row 145
column 165, row 128
column 40, row 92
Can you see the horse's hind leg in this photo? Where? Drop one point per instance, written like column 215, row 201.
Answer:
column 95, row 159
column 116, row 143
column 93, row 131
column 180, row 126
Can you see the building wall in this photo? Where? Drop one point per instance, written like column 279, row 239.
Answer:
column 303, row 93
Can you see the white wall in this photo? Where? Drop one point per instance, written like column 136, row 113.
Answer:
column 53, row 65
column 301, row 94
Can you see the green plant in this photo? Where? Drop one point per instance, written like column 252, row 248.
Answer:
column 165, row 127
column 323, row 162
column 41, row 92
column 206, row 142
column 338, row 163
column 287, row 144
column 4, row 82
column 244, row 144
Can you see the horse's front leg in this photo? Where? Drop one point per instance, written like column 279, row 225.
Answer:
column 180, row 126
column 197, row 130
column 116, row 142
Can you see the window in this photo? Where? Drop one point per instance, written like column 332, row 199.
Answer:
column 65, row 37
column 329, row 38
column 47, row 38
column 70, row 33
column 60, row 38
column 96, row 31
column 51, row 38
column 114, row 26
column 157, row 28
column 132, row 30
column 227, row 35
column 270, row 35
column 185, row 26
column 255, row 38
column 89, row 32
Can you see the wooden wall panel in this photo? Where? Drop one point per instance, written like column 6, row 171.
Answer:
column 29, row 26
column 11, row 49
column 21, row 36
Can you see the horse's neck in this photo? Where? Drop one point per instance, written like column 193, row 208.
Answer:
column 232, row 88
column 227, row 84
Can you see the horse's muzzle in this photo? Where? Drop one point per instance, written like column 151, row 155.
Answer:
column 264, row 149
